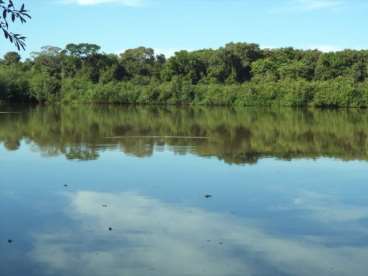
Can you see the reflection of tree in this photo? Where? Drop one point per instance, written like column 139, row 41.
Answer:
column 81, row 154
column 138, row 147
column 12, row 144
column 235, row 136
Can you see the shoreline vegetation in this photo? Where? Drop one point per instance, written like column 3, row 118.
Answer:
column 238, row 74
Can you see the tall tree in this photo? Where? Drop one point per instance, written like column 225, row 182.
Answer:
column 11, row 58
column 139, row 61
column 82, row 50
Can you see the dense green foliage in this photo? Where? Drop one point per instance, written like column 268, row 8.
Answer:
column 238, row 74
column 236, row 135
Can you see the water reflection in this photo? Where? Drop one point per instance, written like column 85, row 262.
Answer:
column 151, row 237
column 236, row 136
column 147, row 179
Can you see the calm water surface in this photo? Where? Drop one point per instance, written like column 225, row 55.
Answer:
column 122, row 191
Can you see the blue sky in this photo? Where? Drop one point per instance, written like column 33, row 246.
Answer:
column 169, row 25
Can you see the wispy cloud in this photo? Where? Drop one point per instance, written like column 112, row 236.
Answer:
column 308, row 5
column 324, row 48
column 130, row 3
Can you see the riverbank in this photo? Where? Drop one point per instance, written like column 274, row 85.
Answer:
column 337, row 93
column 293, row 93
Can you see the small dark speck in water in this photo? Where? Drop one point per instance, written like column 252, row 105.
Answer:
column 104, row 205
column 65, row 185
column 10, row 241
column 208, row 196
column 110, row 228
column 221, row 243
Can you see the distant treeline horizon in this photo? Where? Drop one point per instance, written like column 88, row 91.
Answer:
column 238, row 74
column 170, row 52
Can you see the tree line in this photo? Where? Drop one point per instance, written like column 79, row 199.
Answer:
column 240, row 74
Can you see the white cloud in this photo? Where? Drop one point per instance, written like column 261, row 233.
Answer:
column 167, row 52
column 130, row 3
column 317, row 4
column 325, row 48
column 308, row 5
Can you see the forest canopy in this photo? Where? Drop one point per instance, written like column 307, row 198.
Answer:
column 236, row 74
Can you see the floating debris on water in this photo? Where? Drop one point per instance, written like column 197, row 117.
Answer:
column 104, row 205
column 208, row 196
column 65, row 185
column 10, row 241
column 110, row 228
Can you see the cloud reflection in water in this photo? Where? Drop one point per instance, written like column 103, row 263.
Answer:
column 150, row 237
